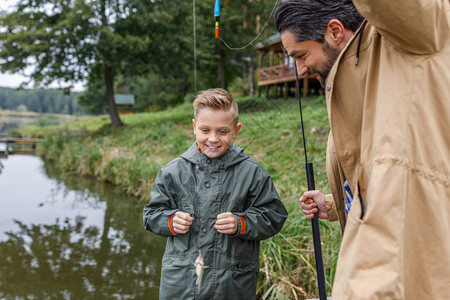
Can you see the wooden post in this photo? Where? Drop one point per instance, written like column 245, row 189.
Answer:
column 271, row 61
column 286, row 91
column 261, row 53
column 305, row 86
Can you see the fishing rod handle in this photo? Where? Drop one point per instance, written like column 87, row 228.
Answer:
column 316, row 237
column 310, row 176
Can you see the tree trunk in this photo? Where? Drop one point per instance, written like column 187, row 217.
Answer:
column 252, row 76
column 70, row 106
column 109, row 81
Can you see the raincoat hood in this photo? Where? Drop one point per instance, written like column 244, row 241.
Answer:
column 233, row 156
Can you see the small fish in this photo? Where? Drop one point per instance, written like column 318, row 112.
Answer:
column 199, row 268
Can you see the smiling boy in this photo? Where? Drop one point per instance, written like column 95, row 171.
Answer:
column 217, row 200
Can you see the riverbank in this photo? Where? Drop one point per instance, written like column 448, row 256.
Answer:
column 12, row 122
column 130, row 157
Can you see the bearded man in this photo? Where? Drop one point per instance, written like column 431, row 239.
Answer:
column 387, row 83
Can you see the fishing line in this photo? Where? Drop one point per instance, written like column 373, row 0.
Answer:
column 262, row 29
column 195, row 46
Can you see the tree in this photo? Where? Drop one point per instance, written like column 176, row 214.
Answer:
column 71, row 40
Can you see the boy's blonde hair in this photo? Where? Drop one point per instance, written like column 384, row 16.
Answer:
column 216, row 99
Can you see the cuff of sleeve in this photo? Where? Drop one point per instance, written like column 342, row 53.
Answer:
column 241, row 227
column 331, row 208
column 170, row 214
column 171, row 224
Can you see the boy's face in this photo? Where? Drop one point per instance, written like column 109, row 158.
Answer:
column 214, row 131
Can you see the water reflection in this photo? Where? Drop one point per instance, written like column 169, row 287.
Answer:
column 65, row 237
column 8, row 123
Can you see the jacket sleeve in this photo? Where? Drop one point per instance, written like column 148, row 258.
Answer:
column 158, row 214
column 266, row 213
column 416, row 26
column 331, row 208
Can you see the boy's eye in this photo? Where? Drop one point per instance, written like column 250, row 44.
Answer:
column 204, row 130
column 223, row 132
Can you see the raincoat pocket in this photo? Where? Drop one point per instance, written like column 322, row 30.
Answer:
column 176, row 275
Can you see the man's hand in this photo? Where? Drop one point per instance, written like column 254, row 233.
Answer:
column 312, row 202
column 181, row 222
column 226, row 223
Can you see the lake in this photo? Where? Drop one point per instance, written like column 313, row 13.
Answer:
column 63, row 236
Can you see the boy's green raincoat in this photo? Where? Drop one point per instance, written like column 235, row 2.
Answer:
column 204, row 188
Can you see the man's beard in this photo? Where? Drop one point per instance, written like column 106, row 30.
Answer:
column 332, row 55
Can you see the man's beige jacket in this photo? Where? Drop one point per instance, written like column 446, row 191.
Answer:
column 390, row 138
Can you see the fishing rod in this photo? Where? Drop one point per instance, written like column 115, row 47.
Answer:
column 315, row 220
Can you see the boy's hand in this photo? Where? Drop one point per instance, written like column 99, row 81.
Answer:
column 181, row 222
column 312, row 202
column 226, row 223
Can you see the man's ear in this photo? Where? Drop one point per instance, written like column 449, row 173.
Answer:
column 335, row 34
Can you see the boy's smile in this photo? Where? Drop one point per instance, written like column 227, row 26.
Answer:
column 214, row 131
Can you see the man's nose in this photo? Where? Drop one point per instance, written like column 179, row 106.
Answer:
column 302, row 69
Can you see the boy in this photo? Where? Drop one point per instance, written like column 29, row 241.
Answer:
column 217, row 200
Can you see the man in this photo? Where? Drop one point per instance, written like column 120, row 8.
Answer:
column 387, row 85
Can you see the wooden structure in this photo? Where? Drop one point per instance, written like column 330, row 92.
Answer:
column 279, row 73
column 124, row 103
column 19, row 145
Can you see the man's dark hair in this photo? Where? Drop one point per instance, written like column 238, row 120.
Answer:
column 308, row 19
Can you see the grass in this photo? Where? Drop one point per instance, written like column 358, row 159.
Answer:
column 130, row 157
column 40, row 124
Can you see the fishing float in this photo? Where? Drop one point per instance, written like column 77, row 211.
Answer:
column 217, row 17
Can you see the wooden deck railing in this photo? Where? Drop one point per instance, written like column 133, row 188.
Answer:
column 276, row 72
column 12, row 140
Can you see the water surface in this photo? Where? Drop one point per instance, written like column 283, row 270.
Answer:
column 67, row 237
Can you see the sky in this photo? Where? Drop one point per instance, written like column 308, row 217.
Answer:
column 14, row 80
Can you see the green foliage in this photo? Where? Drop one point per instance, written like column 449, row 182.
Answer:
column 57, row 38
column 68, row 41
column 147, row 46
column 239, row 87
column 155, row 92
column 22, row 108
column 46, row 121
column 40, row 100
column 93, row 99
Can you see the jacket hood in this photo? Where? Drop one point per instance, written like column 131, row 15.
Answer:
column 233, row 156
